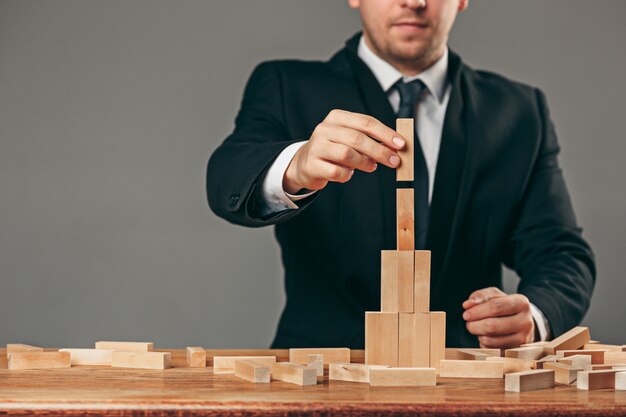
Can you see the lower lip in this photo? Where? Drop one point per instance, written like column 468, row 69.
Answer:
column 411, row 28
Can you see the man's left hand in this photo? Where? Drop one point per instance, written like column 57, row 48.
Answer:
column 499, row 320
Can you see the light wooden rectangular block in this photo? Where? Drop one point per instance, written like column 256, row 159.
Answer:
column 351, row 372
column 529, row 380
column 226, row 364
column 381, row 338
column 126, row 346
column 590, row 380
column 405, row 213
column 403, row 377
column 141, row 360
column 196, row 357
column 534, row 344
column 396, row 290
column 422, row 281
column 572, row 339
column 21, row 348
column 577, row 361
column 471, row 369
column 597, row 356
column 538, row 364
column 437, row 338
column 301, row 355
column 615, row 358
column 470, row 353
column 316, row 361
column 414, row 340
column 93, row 357
column 38, row 360
column 294, row 373
column 406, row 128
column 512, row 365
column 620, row 381
column 528, row 353
column 563, row 373
column 252, row 371
column 601, row 346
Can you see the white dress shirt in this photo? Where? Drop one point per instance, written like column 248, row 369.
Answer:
column 429, row 120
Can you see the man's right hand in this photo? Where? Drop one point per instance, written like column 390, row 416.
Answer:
column 343, row 142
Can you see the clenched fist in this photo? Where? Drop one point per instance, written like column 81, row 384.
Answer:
column 343, row 142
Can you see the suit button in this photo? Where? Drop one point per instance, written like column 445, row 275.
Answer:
column 233, row 200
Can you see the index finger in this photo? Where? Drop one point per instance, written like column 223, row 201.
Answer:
column 368, row 125
column 496, row 307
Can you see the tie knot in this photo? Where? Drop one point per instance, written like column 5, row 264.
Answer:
column 409, row 95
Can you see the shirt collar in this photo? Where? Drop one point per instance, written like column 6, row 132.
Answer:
column 434, row 77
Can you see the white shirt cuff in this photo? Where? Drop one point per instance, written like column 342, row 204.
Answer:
column 274, row 197
column 540, row 322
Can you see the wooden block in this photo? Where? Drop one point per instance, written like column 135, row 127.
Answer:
column 21, row 348
column 316, row 361
column 38, row 360
column 396, row 289
column 381, row 338
column 529, row 380
column 563, row 373
column 590, row 380
column 351, row 372
column 421, row 281
column 294, row 373
column 538, row 364
column 437, row 338
column 404, row 172
column 534, row 344
column 512, row 365
column 405, row 218
column 601, row 346
column 101, row 357
column 464, row 353
column 620, row 381
column 403, row 377
column 226, row 364
column 252, row 371
column 599, row 367
column 528, row 353
column 301, row 355
column 572, row 339
column 414, row 340
column 473, row 355
column 141, row 360
column 471, row 369
column 126, row 346
column 597, row 356
column 196, row 357
column 615, row 358
column 577, row 361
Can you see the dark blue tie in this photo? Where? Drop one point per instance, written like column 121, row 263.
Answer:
column 410, row 95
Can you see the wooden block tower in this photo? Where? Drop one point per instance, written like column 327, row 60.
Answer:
column 405, row 333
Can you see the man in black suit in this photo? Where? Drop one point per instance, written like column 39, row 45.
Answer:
column 314, row 154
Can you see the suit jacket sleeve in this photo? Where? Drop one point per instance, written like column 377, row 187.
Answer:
column 555, row 264
column 237, row 167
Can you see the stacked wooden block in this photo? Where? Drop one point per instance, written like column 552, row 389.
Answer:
column 405, row 333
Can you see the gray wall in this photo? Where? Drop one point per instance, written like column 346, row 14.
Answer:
column 110, row 109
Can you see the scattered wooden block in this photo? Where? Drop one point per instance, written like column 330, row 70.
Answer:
column 577, row 361
column 528, row 353
column 196, row 357
column 94, row 357
column 463, row 353
column 421, row 281
column 226, row 364
column 141, row 360
column 252, row 371
column 529, row 380
column 126, row 346
column 301, row 355
column 351, row 372
column 405, row 218
column 404, row 172
column 615, row 358
column 414, row 340
column 471, row 369
column 563, row 373
column 601, row 346
column 38, row 360
column 381, row 339
column 396, row 291
column 294, row 373
column 538, row 364
column 597, row 356
column 572, row 339
column 534, row 344
column 473, row 355
column 21, row 348
column 590, row 380
column 437, row 339
column 316, row 361
column 512, row 365
column 620, row 381
column 403, row 377
column 598, row 367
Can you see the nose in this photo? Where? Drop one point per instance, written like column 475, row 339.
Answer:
column 414, row 4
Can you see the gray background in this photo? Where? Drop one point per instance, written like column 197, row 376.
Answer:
column 109, row 111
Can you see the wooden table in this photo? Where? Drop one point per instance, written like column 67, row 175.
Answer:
column 85, row 390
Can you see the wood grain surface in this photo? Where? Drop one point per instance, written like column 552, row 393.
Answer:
column 98, row 390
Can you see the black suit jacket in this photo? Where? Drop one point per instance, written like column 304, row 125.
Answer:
column 499, row 198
